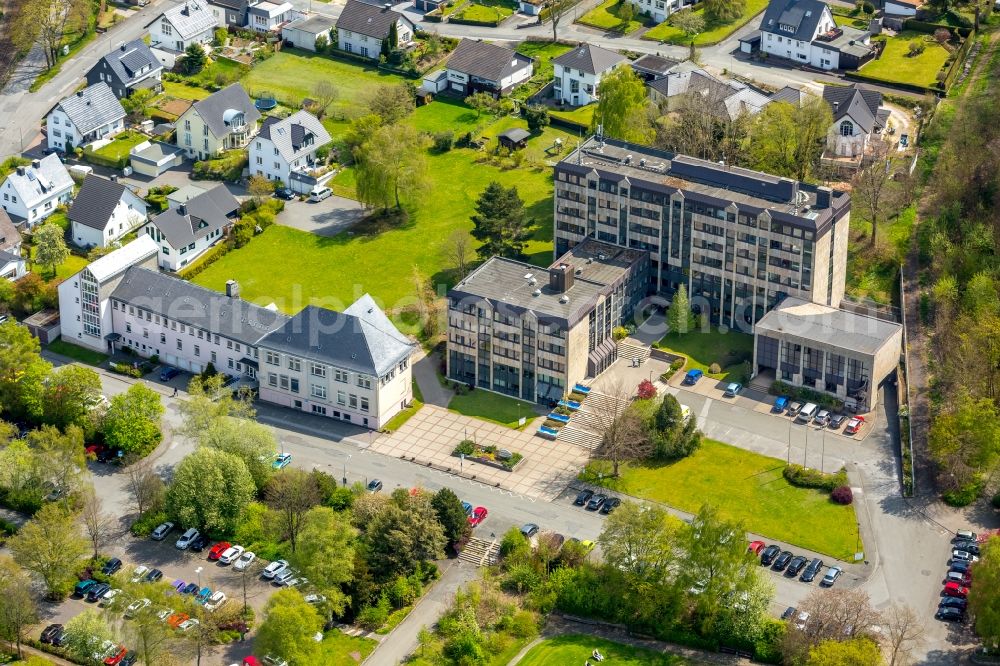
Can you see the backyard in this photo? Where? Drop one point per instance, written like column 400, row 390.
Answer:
column 575, row 649
column 77, row 353
column 606, row 16
column 730, row 349
column 743, row 486
column 896, row 65
column 485, row 11
column 582, row 115
column 543, row 53
column 714, row 32
column 120, row 146
column 873, row 272
column 492, row 407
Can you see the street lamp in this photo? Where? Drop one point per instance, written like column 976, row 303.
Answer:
column 198, row 571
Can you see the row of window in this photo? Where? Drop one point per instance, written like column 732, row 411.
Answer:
column 318, row 391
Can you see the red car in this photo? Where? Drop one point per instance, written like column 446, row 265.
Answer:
column 854, row 425
column 119, row 654
column 755, row 547
column 94, row 449
column 955, row 590
column 478, row 516
column 218, row 549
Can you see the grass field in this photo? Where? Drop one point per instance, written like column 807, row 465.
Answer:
column 605, row 16
column 184, row 91
column 714, row 32
column 77, row 353
column 897, row 66
column 730, row 350
column 221, row 71
column 73, row 265
column 583, row 115
column 874, row 272
column 446, row 113
column 575, row 649
column 484, row 11
column 339, row 649
column 492, row 407
column 121, row 145
column 743, row 486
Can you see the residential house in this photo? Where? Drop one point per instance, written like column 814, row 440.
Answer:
column 185, row 231
column 660, row 10
column 285, row 146
column 804, row 32
column 104, row 210
column 302, row 34
column 578, row 72
column 688, row 83
column 738, row 240
column 650, row 67
column 225, row 120
column 532, row 333
column 857, row 115
column 130, row 67
column 84, row 117
column 12, row 264
column 361, row 28
column 476, row 66
column 84, row 309
column 153, row 158
column 902, row 8
column 351, row 366
column 790, row 95
column 269, row 16
column 186, row 23
column 32, row 193
column 229, row 13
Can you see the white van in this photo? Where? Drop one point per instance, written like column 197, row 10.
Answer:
column 807, row 413
column 319, row 194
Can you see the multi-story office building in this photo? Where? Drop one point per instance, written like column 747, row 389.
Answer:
column 528, row 332
column 740, row 240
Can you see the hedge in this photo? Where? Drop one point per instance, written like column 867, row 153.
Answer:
column 487, row 24
column 803, row 477
column 803, row 394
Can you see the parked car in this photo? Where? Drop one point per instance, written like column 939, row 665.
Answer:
column 953, row 602
column 836, row 420
column 822, row 418
column 768, row 555
column 794, row 408
column 963, row 556
column 967, row 546
column 95, row 592
column 854, row 425
column 596, row 502
column 111, row 567
column 788, row 612
column 314, row 598
column 374, row 486
column 204, row 594
column 176, row 619
column 246, row 559
column 807, row 413
column 468, row 508
column 136, row 606
column 783, row 560
column 285, row 576
column 109, row 597
column 955, row 590
column 216, row 551
column 116, row 658
column 168, row 373
column 583, row 497
column 478, row 516
column 231, row 554
column 795, row 566
column 832, row 574
column 950, row 577
column 49, row 632
column 215, row 601
column 949, row 614
column 732, row 390
column 964, row 535
column 282, row 461
column 178, row 585
column 185, row 539
column 81, row 588
column 780, row 404
column 284, row 193
column 153, row 576
column 273, row 569
column 801, row 620
column 692, row 376
column 130, row 658
column 319, row 194
column 610, row 505
column 139, row 573
column 161, row 531
column 812, row 570
column 961, row 567
column 756, row 547
column 529, row 529
column 190, row 588
column 199, row 543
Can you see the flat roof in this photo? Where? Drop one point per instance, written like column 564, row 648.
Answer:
column 830, row 326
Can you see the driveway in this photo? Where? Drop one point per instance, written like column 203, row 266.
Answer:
column 325, row 218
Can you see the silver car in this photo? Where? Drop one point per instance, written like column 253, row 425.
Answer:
column 822, row 418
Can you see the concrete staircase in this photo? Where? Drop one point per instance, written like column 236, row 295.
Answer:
column 580, row 437
column 480, row 552
column 587, row 423
column 630, row 349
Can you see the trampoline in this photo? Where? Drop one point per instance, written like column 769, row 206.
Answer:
column 265, row 102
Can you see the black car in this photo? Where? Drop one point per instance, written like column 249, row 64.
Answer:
column 111, row 567
column 153, row 576
column 809, row 575
column 97, row 591
column 107, row 455
column 768, row 554
column 610, row 505
column 961, row 567
column 953, row 602
column 949, row 614
column 968, row 546
column 836, row 421
column 50, row 632
column 783, row 560
column 795, row 566
column 596, row 502
column 789, row 613
column 129, row 659
column 168, row 373
column 374, row 486
column 199, row 543
column 583, row 497
column 284, row 193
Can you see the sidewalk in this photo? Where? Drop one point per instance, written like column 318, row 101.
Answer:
column 425, row 374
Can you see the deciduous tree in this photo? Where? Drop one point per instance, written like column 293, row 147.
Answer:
column 501, row 223
column 391, row 103
column 326, row 554
column 17, row 603
column 208, row 402
column 788, row 140
column 85, row 633
column 622, row 107
column 72, row 392
column 903, row 627
column 58, row 458
column 145, row 487
column 132, row 422
column 97, row 524
column 251, row 441
column 291, row 494
column 688, row 22
column 851, row 652
column 260, row 188
column 482, row 101
column 623, row 434
column 22, row 371
column 137, row 104
column 457, row 252
column 871, row 184
column 557, row 10
column 288, row 628
column 450, row 514
column 838, row 614
column 641, row 542
column 724, row 11
column 391, row 166
column 210, row 491
column 50, row 546
column 324, row 93
column 403, row 534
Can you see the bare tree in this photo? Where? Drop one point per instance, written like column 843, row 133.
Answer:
column 96, row 523
column 324, row 94
column 871, row 184
column 902, row 627
column 56, row 20
column 145, row 487
column 458, row 252
column 838, row 614
column 291, row 494
column 623, row 434
column 557, row 10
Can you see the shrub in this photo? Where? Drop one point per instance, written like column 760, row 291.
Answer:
column 537, row 116
column 219, row 37
column 842, row 495
column 715, row 368
column 144, row 526
column 466, row 446
column 322, row 44
column 916, row 47
column 963, row 496
column 646, row 390
column 677, row 365
column 373, row 617
column 797, row 475
column 443, row 141
column 125, row 369
column 619, row 333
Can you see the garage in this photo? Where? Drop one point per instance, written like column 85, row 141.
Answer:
column 152, row 158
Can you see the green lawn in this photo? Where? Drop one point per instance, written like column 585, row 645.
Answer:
column 582, row 115
column 730, row 350
column 575, row 649
column 744, row 486
column 874, row 272
column 605, row 17
column 339, row 649
column 73, row 265
column 485, row 13
column 121, row 145
column 850, row 21
column 184, row 91
column 77, row 353
column 446, row 113
column 897, row 66
column 543, row 53
column 221, row 72
column 714, row 32
column 492, row 407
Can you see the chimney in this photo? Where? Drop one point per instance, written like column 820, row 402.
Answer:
column 824, row 195
column 183, row 210
column 561, row 278
column 388, row 6
column 79, row 93
column 36, row 164
column 113, row 178
column 20, row 171
column 232, row 289
column 123, row 47
column 835, row 106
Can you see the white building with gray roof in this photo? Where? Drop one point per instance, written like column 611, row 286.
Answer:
column 579, row 71
column 104, row 211
column 84, row 117
column 287, row 146
column 186, row 230
column 225, row 120
column 186, row 23
column 32, row 193
column 804, row 31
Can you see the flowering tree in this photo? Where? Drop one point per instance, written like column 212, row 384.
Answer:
column 646, row 390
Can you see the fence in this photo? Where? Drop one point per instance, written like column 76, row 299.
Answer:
column 909, row 478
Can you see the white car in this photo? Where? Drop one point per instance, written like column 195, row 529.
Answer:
column 188, row 624
column 801, row 620
column 161, row 531
column 314, row 598
column 216, row 600
column 106, row 649
column 273, row 569
column 136, row 606
column 139, row 573
column 285, row 576
column 185, row 540
column 165, row 613
column 109, row 597
column 963, row 556
column 297, row 582
column 229, row 555
column 246, row 559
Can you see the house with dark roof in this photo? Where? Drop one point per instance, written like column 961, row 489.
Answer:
column 185, row 231
column 858, row 114
column 650, row 67
column 804, row 32
column 31, row 193
column 84, row 117
column 229, row 13
column 351, row 366
column 286, row 147
column 104, row 210
column 578, row 72
column 225, row 120
column 12, row 264
column 687, row 83
column 476, row 66
column 362, row 27
column 130, row 67
column 186, row 23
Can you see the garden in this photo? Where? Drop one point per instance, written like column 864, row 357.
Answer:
column 720, row 354
column 116, row 153
column 612, row 15
column 488, row 454
column 714, row 31
column 576, row 648
column 911, row 58
column 483, row 12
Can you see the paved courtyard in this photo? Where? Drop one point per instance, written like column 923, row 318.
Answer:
column 433, row 433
